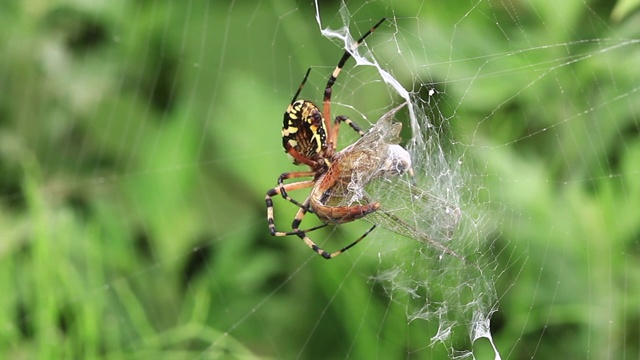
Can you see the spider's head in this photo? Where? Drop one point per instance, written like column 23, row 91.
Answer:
column 304, row 136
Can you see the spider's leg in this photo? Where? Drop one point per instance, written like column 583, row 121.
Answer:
column 278, row 190
column 297, row 156
column 304, row 80
column 282, row 189
column 302, row 235
column 297, row 220
column 346, row 120
column 326, row 111
column 304, row 208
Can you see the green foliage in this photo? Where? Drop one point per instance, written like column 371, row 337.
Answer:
column 137, row 141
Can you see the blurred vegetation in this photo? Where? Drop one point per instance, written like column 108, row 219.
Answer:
column 137, row 140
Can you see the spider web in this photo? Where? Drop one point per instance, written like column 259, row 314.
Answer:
column 447, row 276
column 138, row 139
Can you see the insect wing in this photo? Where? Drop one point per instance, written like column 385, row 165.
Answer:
column 414, row 213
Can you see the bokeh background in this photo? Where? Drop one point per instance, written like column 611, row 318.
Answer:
column 138, row 138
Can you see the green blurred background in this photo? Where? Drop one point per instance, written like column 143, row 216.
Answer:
column 137, row 141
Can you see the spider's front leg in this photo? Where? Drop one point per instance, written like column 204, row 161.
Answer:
column 333, row 141
column 346, row 120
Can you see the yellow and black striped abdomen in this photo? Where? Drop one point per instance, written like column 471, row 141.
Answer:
column 303, row 129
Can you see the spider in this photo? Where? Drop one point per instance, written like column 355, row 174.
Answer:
column 337, row 178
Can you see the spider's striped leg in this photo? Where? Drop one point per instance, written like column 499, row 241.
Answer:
column 304, row 80
column 326, row 111
column 278, row 190
column 346, row 120
column 282, row 188
column 302, row 235
column 326, row 213
column 299, row 215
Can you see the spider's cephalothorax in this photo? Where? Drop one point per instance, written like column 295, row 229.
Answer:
column 309, row 137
